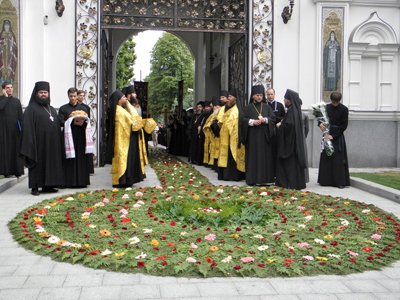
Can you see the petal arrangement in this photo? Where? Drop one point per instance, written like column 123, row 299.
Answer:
column 188, row 227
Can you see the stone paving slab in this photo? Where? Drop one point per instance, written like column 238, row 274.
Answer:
column 25, row 275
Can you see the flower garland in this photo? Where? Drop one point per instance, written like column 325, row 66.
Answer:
column 187, row 227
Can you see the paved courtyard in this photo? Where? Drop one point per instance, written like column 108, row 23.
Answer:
column 26, row 275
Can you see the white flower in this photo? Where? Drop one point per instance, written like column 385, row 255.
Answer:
column 301, row 225
column 220, row 191
column 258, row 236
column 183, row 233
column 344, row 222
column 307, row 218
column 147, row 230
column 92, row 226
column 128, row 189
column 106, row 252
column 136, row 205
column 319, row 241
column 293, row 198
column 193, row 246
column 264, row 194
column 365, row 211
column 134, row 240
column 141, row 256
column 123, row 212
column 263, row 248
column 333, row 255
column 138, row 194
column 69, row 199
column 40, row 229
column 140, row 202
column 191, row 260
column 227, row 259
column 125, row 196
column 86, row 214
column 53, row 239
column 99, row 204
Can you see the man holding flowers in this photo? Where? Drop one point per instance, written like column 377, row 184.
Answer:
column 334, row 169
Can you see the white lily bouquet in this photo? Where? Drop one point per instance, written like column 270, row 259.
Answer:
column 319, row 111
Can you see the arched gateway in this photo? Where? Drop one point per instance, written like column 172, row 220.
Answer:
column 233, row 40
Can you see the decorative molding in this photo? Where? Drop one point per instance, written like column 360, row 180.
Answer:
column 86, row 58
column 373, row 31
column 262, row 37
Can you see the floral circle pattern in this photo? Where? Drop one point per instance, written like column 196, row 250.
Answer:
column 187, row 227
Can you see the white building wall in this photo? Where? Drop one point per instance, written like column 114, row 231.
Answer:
column 48, row 51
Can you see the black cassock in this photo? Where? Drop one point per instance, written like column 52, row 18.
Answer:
column 334, row 170
column 291, row 160
column 260, row 164
column 133, row 173
column 41, row 146
column 10, row 137
column 196, row 142
column 76, row 170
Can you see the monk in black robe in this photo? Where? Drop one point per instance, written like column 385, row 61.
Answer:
column 334, row 169
column 258, row 127
column 75, row 127
column 10, row 133
column 86, row 109
column 291, row 158
column 195, row 152
column 41, row 145
column 279, row 111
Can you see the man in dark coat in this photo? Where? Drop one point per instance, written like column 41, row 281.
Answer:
column 77, row 141
column 41, row 145
column 279, row 111
column 291, row 158
column 258, row 127
column 195, row 151
column 334, row 169
column 86, row 109
column 10, row 133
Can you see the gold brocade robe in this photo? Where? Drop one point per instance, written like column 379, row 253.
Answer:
column 211, row 142
column 125, row 122
column 229, row 138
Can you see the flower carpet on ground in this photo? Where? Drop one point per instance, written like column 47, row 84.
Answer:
column 188, row 227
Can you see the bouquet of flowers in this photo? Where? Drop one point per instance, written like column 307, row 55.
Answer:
column 319, row 111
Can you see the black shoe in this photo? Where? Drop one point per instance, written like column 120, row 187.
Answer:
column 35, row 192
column 341, row 186
column 49, row 190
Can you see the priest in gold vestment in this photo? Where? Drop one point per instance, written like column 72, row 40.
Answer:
column 125, row 144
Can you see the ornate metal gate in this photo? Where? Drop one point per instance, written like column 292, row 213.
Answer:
column 237, row 69
column 173, row 15
column 176, row 15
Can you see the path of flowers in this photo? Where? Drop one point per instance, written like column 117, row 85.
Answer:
column 187, row 227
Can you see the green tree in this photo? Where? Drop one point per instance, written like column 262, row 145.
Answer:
column 170, row 61
column 125, row 61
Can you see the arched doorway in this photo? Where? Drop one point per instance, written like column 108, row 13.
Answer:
column 248, row 24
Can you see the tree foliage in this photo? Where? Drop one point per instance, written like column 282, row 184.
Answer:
column 125, row 61
column 171, row 61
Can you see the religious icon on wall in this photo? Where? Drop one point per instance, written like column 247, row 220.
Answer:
column 332, row 51
column 9, row 43
column 8, row 53
column 332, row 63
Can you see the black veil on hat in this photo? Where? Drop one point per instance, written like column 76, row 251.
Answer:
column 39, row 86
column 224, row 93
column 130, row 89
column 113, row 101
column 298, row 119
column 257, row 89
